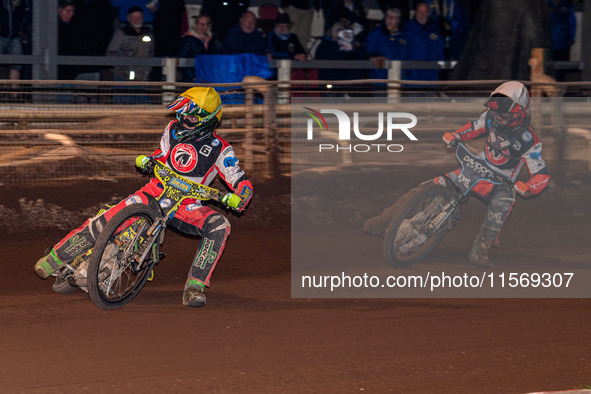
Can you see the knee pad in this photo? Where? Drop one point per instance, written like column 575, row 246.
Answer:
column 216, row 222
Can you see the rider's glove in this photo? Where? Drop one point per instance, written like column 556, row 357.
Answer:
column 233, row 201
column 142, row 162
column 450, row 138
column 522, row 188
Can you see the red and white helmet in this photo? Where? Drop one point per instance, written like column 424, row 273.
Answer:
column 509, row 104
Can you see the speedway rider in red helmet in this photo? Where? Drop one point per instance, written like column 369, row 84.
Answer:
column 510, row 144
column 190, row 147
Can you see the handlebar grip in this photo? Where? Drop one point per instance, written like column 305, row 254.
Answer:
column 453, row 144
column 145, row 163
column 233, row 201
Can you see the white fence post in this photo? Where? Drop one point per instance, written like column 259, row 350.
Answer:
column 169, row 73
column 394, row 74
column 283, row 74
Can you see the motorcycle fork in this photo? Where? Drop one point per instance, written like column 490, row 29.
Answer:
column 451, row 209
column 155, row 237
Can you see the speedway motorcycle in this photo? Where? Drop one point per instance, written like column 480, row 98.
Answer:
column 122, row 259
column 424, row 215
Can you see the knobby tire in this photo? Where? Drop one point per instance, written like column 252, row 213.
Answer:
column 409, row 207
column 107, row 239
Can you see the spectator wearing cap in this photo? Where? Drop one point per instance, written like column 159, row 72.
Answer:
column 282, row 44
column 149, row 7
column 245, row 37
column 133, row 40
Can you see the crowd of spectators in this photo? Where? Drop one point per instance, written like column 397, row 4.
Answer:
column 429, row 30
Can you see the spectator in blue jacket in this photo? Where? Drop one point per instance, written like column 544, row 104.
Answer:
column 563, row 26
column 245, row 37
column 424, row 43
column 386, row 41
column 282, row 44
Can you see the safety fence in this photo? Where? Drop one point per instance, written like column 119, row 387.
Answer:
column 54, row 131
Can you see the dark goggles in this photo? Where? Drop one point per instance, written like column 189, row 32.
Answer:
column 500, row 103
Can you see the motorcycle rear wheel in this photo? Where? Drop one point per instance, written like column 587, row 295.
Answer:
column 112, row 280
column 408, row 240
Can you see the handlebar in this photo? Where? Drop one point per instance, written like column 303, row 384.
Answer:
column 171, row 178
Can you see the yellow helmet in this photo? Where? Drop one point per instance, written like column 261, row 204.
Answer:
column 199, row 110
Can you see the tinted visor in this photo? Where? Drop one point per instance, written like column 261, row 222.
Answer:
column 500, row 103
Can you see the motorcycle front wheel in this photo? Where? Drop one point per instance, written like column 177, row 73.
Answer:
column 409, row 239
column 115, row 277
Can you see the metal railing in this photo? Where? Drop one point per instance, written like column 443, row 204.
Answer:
column 63, row 131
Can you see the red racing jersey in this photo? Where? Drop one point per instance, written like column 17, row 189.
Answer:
column 508, row 152
column 200, row 160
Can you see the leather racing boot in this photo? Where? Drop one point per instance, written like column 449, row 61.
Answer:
column 47, row 265
column 193, row 295
column 478, row 255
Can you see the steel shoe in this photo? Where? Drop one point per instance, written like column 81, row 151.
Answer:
column 193, row 295
column 478, row 255
column 47, row 265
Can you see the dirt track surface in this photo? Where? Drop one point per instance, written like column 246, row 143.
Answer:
column 252, row 337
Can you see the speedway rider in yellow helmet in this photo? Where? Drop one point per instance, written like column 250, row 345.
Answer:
column 191, row 147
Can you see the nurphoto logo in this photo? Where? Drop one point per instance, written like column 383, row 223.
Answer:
column 390, row 122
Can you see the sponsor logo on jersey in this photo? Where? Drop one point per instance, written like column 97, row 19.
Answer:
column 527, row 136
column 495, row 157
column 245, row 193
column 184, row 158
column 135, row 199
column 227, row 150
column 215, row 142
column 230, row 161
column 192, row 207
